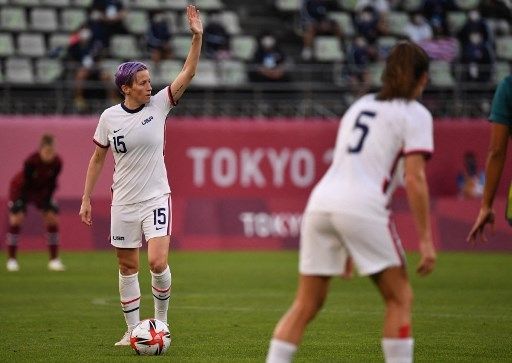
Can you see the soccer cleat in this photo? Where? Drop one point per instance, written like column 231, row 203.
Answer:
column 56, row 265
column 12, row 265
column 125, row 340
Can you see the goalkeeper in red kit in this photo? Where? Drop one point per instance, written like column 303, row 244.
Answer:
column 36, row 184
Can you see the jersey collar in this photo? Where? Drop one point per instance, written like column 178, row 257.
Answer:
column 132, row 111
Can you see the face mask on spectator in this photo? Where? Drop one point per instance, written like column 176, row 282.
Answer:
column 475, row 38
column 268, row 42
column 85, row 34
column 474, row 15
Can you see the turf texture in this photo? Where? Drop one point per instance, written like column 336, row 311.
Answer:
column 224, row 306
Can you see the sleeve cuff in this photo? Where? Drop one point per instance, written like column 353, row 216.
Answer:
column 100, row 145
column 171, row 99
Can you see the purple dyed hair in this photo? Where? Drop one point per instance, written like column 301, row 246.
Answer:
column 126, row 71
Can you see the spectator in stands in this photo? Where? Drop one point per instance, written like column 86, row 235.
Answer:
column 470, row 181
column 84, row 53
column 436, row 12
column 36, row 185
column 359, row 56
column 418, row 29
column 501, row 117
column 368, row 24
column 442, row 46
column 269, row 61
column 381, row 6
column 476, row 59
column 158, row 37
column 475, row 24
column 316, row 21
column 216, row 38
column 109, row 17
column 500, row 11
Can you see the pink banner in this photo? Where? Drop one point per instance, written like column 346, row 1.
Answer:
column 239, row 184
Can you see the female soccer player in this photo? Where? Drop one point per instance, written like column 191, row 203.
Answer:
column 134, row 130
column 501, row 118
column 383, row 138
column 36, row 184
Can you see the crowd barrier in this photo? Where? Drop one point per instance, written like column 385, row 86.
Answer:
column 241, row 184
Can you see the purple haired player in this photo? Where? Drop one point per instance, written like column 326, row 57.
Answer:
column 141, row 203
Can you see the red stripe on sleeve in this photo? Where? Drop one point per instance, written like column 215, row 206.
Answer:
column 100, row 145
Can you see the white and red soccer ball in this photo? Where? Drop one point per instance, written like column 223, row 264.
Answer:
column 150, row 337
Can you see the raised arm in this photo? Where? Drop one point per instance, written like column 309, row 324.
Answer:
column 495, row 161
column 180, row 84
column 93, row 172
column 418, row 197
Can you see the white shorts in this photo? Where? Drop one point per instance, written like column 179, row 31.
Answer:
column 327, row 239
column 152, row 217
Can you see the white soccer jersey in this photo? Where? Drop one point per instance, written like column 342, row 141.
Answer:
column 136, row 138
column 367, row 165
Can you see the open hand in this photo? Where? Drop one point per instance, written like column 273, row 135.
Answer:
column 485, row 216
column 194, row 20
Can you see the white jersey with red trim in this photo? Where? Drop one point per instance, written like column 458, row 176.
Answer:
column 136, row 138
column 367, row 163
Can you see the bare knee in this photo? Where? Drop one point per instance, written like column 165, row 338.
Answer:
column 128, row 266
column 402, row 299
column 157, row 264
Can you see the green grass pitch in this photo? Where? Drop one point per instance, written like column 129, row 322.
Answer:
column 224, row 307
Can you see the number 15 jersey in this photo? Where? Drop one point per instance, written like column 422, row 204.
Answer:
column 368, row 158
column 136, row 138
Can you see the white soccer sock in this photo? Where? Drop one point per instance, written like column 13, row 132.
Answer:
column 398, row 350
column 129, row 291
column 280, row 351
column 161, row 288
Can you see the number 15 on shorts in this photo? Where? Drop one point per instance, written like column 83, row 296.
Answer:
column 160, row 218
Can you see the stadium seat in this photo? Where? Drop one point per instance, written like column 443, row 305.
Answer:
column 173, row 4
column 13, row 19
column 412, row 5
column 82, row 3
column 502, row 70
column 58, row 44
column 231, row 22
column 28, row 3
column 348, row 5
column 456, row 20
column 72, row 19
column 375, row 70
column 384, row 45
column 166, row 71
column 243, row 47
column 209, row 5
column 48, row 70
column 2, row 78
column 55, row 3
column 43, row 20
column 232, row 73
column 504, row 47
column 19, row 70
column 467, row 4
column 328, row 49
column 145, row 4
column 441, row 75
column 124, row 47
column 344, row 21
column 109, row 66
column 397, row 21
column 288, row 5
column 137, row 21
column 31, row 45
column 6, row 45
column 206, row 75
column 181, row 45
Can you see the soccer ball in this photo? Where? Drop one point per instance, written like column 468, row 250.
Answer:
column 150, row 337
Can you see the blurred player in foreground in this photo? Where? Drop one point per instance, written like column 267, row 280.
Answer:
column 501, row 118
column 141, row 203
column 383, row 138
column 36, row 184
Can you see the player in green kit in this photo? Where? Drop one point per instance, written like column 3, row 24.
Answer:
column 501, row 118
